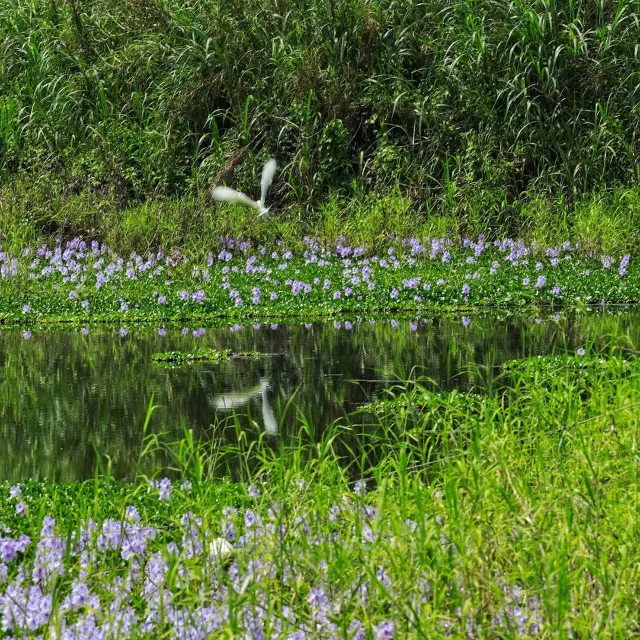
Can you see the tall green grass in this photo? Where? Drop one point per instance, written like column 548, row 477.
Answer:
column 466, row 107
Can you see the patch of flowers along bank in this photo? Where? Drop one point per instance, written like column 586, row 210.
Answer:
column 87, row 280
column 252, row 571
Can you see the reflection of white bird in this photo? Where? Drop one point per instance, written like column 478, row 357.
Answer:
column 268, row 416
column 235, row 400
column 237, row 197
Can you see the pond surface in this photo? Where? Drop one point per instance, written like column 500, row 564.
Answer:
column 65, row 393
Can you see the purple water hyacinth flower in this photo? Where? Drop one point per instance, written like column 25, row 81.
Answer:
column 185, row 331
column 394, row 294
column 348, row 325
column 26, row 334
column 556, row 290
column 21, row 509
column 394, row 323
column 84, row 331
column 253, row 491
column 384, row 631
column 124, row 332
column 10, row 548
column 163, row 488
column 162, row 332
column 124, row 306
column 85, row 304
column 607, row 261
column 466, row 321
column 360, row 487
column 624, row 263
column 73, row 294
column 274, row 295
column 162, row 299
column 198, row 296
column 26, row 308
column 183, row 295
column 580, row 351
column 337, row 295
column 540, row 282
column 466, row 289
column 15, row 492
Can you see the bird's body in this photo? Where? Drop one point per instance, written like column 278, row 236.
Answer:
column 226, row 194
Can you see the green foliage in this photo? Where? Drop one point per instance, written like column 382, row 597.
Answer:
column 199, row 355
column 465, row 106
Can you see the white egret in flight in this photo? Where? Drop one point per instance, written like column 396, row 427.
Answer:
column 225, row 194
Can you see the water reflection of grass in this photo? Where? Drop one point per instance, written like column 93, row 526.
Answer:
column 504, row 514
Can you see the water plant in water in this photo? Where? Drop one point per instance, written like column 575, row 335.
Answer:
column 88, row 281
column 187, row 357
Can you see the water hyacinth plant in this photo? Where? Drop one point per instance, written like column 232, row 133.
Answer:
column 87, row 280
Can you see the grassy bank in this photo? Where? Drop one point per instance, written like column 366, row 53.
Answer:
column 507, row 515
column 115, row 119
column 83, row 282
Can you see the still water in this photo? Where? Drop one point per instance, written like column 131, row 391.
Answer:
column 67, row 393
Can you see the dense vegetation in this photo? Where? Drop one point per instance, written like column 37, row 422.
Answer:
column 504, row 515
column 496, row 115
column 90, row 282
column 432, row 156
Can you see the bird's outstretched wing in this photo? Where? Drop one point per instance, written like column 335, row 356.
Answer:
column 268, row 171
column 231, row 195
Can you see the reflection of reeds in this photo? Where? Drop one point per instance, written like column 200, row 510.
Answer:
column 62, row 394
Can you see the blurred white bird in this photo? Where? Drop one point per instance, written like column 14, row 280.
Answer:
column 225, row 194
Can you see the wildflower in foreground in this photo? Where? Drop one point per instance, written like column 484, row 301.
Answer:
column 163, row 488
